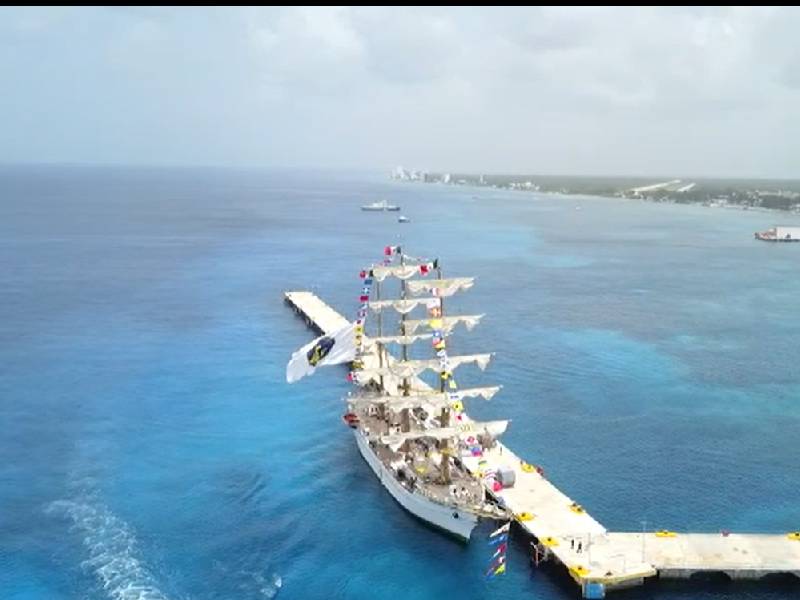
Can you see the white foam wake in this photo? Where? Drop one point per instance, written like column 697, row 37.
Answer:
column 112, row 548
column 268, row 587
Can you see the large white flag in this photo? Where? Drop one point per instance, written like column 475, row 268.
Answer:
column 334, row 349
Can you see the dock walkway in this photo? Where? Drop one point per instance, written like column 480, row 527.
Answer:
column 606, row 560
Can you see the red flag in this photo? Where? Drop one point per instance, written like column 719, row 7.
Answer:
column 362, row 274
column 363, row 298
column 423, row 269
column 388, row 250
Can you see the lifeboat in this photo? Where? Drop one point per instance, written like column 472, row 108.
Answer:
column 351, row 420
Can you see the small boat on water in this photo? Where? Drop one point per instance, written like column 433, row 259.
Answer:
column 403, row 219
column 381, row 206
column 779, row 233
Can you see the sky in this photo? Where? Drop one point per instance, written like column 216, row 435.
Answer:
column 581, row 91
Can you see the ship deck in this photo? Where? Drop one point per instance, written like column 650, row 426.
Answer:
column 606, row 560
column 425, row 463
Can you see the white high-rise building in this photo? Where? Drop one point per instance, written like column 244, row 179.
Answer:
column 399, row 173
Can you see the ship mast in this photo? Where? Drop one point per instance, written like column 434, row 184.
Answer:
column 445, row 414
column 382, row 408
column 405, row 418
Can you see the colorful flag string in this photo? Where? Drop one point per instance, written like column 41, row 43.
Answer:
column 499, row 538
column 367, row 280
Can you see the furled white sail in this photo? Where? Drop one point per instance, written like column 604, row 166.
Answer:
column 441, row 288
column 401, row 369
column 481, row 360
column 427, row 398
column 399, row 271
column 444, row 324
column 434, row 402
column 404, row 306
column 487, row 392
column 397, row 403
column 470, row 428
column 404, row 340
column 412, row 368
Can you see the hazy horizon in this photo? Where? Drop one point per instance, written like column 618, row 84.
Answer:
column 573, row 92
column 387, row 171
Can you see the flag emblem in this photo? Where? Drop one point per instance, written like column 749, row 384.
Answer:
column 320, row 350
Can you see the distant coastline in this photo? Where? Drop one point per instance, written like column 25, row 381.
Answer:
column 745, row 194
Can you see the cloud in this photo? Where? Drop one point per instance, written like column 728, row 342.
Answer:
column 538, row 89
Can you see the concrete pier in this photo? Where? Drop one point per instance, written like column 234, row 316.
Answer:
column 606, row 560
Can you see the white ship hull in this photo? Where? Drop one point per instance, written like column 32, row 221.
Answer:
column 456, row 521
column 381, row 207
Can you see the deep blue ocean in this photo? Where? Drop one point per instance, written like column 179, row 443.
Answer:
column 151, row 448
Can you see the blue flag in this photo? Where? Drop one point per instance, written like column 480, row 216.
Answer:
column 499, row 539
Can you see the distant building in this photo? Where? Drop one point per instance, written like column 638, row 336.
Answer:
column 402, row 174
column 399, row 173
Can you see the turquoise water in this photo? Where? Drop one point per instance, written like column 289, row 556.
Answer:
column 152, row 449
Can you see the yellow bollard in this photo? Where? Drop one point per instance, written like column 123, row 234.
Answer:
column 579, row 570
column 576, row 508
column 550, row 542
column 666, row 534
column 525, row 516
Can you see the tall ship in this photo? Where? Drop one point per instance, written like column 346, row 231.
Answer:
column 381, row 206
column 407, row 411
column 413, row 433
